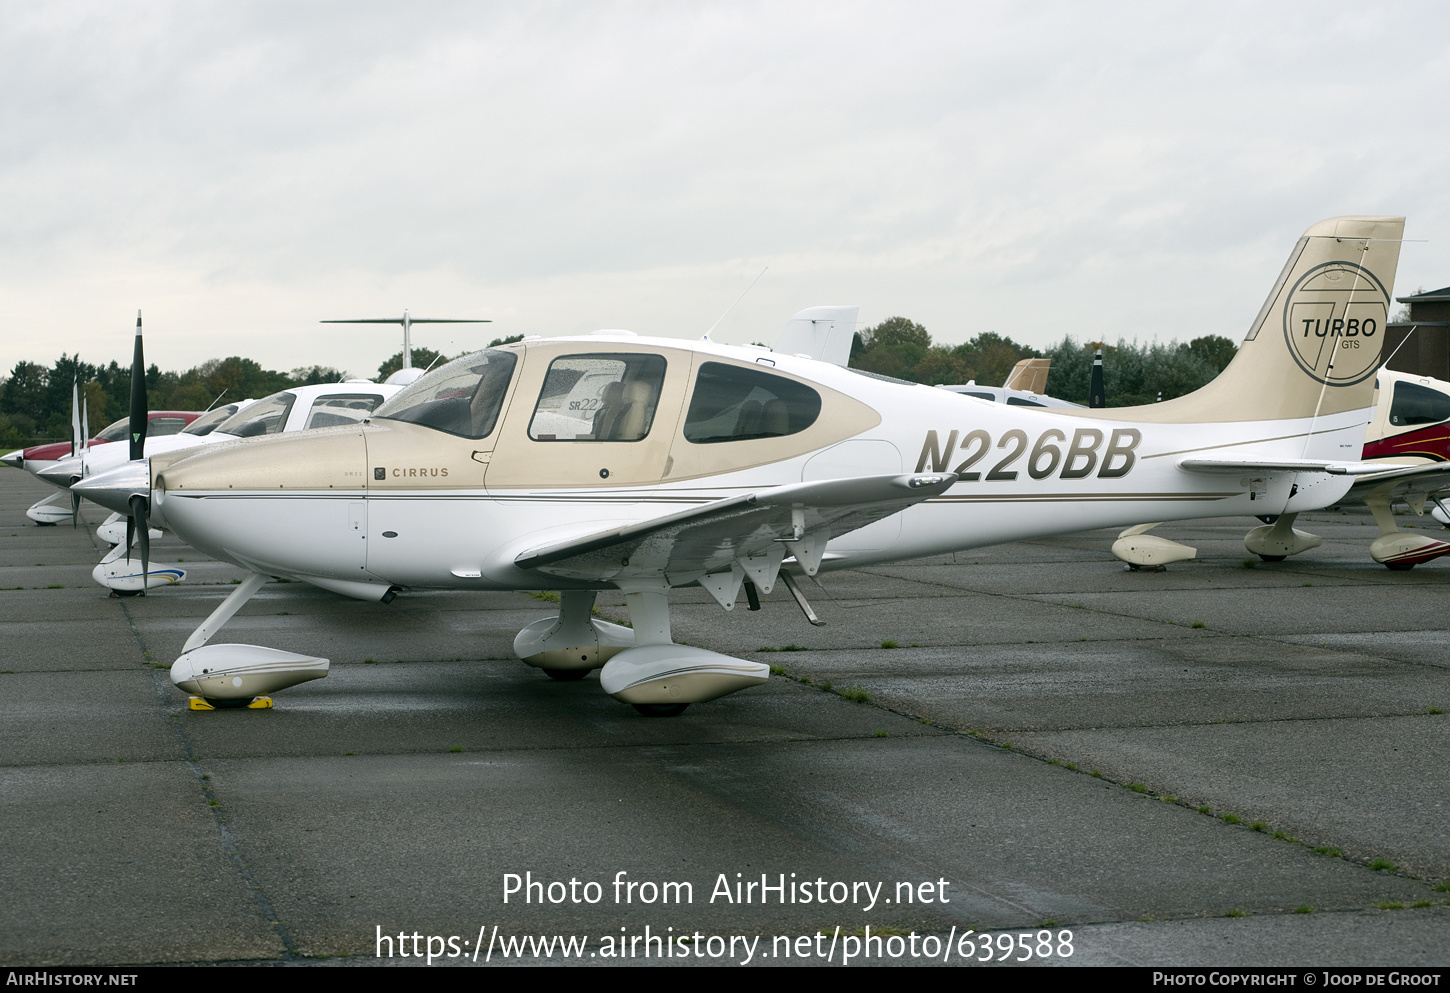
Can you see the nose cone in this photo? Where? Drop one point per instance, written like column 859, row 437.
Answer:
column 63, row 473
column 15, row 460
column 114, row 488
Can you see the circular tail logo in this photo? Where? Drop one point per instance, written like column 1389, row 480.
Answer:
column 1334, row 322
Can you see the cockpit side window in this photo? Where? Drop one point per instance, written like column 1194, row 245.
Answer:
column 599, row 397
column 266, row 416
column 735, row 404
column 1414, row 404
column 463, row 397
column 340, row 408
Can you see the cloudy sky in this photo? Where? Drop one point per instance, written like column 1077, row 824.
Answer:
column 243, row 170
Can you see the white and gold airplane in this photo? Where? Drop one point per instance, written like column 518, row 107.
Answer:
column 616, row 462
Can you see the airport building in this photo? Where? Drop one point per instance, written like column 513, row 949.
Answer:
column 1420, row 344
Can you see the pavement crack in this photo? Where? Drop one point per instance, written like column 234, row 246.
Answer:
column 231, row 843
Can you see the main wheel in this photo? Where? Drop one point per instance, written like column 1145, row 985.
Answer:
column 566, row 675
column 1272, row 558
column 661, row 709
column 1400, row 566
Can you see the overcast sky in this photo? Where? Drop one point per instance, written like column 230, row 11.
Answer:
column 241, row 171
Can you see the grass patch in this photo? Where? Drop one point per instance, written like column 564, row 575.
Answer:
column 1053, row 762
column 1249, row 563
column 1230, row 818
column 1137, row 787
column 455, row 748
column 1283, row 836
column 1388, row 905
column 880, row 733
column 349, row 753
column 1198, row 624
column 776, row 670
column 888, row 643
column 1048, row 923
column 56, row 586
column 1423, row 903
column 1442, row 887
column 1383, row 864
column 1258, row 826
column 856, row 694
column 548, row 596
column 370, row 661
column 1328, row 850
column 1095, row 774
column 1236, row 912
column 1204, row 808
column 1170, row 798
column 825, row 684
column 1303, row 908
column 1070, row 766
column 1433, row 710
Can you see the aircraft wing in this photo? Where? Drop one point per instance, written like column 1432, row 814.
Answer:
column 738, row 536
column 1230, row 467
column 1426, row 478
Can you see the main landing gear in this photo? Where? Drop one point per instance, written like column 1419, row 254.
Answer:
column 642, row 667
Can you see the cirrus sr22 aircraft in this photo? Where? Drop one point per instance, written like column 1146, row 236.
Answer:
column 616, row 462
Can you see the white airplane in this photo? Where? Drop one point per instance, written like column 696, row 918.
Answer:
column 1408, row 432
column 636, row 464
column 1025, row 386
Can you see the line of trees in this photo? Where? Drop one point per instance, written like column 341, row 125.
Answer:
column 35, row 401
column 1133, row 373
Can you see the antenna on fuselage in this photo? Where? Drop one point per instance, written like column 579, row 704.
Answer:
column 408, row 321
column 706, row 335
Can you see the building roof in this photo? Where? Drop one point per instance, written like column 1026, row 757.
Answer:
column 1430, row 296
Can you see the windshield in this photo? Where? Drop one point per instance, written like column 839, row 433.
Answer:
column 462, row 398
column 206, row 423
column 266, row 416
column 115, row 432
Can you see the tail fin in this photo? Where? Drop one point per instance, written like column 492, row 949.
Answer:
column 823, row 333
column 1315, row 345
column 1029, row 375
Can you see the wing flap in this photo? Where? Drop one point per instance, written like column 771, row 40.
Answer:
column 683, row 546
column 1230, row 467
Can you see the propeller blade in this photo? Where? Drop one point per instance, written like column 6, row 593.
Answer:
column 138, row 397
column 143, row 537
column 85, row 425
column 75, row 416
column 130, row 534
column 75, row 509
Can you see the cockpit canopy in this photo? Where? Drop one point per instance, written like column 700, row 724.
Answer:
column 462, row 398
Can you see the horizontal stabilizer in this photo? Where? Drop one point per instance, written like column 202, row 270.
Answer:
column 823, row 333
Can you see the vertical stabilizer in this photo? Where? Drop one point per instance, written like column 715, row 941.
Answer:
column 1313, row 349
column 1029, row 375
column 822, row 333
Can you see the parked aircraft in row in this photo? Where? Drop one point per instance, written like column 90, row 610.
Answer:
column 1408, row 430
column 644, row 464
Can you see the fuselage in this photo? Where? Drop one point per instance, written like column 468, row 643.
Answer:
column 396, row 502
